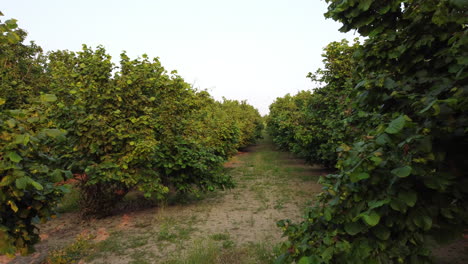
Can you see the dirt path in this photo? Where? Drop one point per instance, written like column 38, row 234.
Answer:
column 233, row 226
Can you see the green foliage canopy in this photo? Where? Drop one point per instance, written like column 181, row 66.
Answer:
column 402, row 180
column 120, row 128
column 314, row 125
column 29, row 164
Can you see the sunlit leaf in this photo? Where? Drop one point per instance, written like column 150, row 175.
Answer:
column 13, row 156
column 48, row 98
column 371, row 218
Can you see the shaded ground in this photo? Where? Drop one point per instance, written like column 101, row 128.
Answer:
column 240, row 222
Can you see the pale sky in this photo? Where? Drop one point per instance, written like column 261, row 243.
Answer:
column 254, row 50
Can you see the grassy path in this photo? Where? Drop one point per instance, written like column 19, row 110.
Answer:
column 232, row 226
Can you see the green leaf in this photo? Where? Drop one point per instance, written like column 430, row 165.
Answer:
column 402, row 172
column 396, row 125
column 353, row 228
column 377, row 160
column 372, row 218
column 376, row 204
column 22, row 183
column 390, row 84
column 355, row 177
column 398, row 205
column 409, row 198
column 47, row 98
column 327, row 253
column 56, row 176
column 13, row 37
column 22, row 139
column 37, row 185
column 361, row 83
column 436, row 108
column 428, row 106
column 327, row 214
column 381, row 232
column 7, row 180
column 54, row 132
column 364, row 5
column 304, row 260
column 384, row 9
column 383, row 139
column 2, row 101
column 423, row 221
column 11, row 123
column 11, row 23
column 13, row 156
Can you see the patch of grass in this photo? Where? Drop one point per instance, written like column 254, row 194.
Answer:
column 264, row 252
column 181, row 198
column 85, row 248
column 137, row 241
column 220, row 236
column 113, row 244
column 71, row 253
column 279, row 205
column 302, row 193
column 308, row 178
column 260, row 193
column 208, row 252
column 142, row 257
column 201, row 253
column 228, row 244
column 139, row 261
column 142, row 224
column 173, row 230
column 166, row 234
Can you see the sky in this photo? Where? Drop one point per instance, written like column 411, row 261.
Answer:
column 254, row 50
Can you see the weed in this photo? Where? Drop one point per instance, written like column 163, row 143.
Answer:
column 137, row 241
column 71, row 253
column 279, row 205
column 220, row 236
column 141, row 257
column 207, row 252
column 165, row 234
column 112, row 244
column 173, row 231
column 200, row 253
column 142, row 224
column 228, row 244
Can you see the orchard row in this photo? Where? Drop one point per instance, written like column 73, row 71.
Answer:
column 391, row 118
column 114, row 128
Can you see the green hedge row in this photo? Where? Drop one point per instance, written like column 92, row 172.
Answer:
column 314, row 124
column 131, row 126
column 402, row 178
